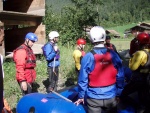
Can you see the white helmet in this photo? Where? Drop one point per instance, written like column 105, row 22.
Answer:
column 53, row 34
column 97, row 34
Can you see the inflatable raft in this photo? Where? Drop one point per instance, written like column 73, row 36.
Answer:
column 53, row 102
column 62, row 102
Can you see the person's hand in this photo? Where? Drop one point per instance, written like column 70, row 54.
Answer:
column 24, row 85
column 55, row 47
column 79, row 101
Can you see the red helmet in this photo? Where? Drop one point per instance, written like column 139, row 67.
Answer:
column 81, row 41
column 143, row 38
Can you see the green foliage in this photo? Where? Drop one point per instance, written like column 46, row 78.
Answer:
column 51, row 20
column 123, row 12
column 11, row 88
column 72, row 20
column 69, row 17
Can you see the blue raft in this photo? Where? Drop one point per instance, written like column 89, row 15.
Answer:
column 62, row 102
column 50, row 103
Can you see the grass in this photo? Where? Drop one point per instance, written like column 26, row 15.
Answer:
column 121, row 44
column 11, row 87
column 121, row 29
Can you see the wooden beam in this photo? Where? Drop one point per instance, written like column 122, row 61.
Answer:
column 1, row 5
column 26, row 6
column 17, row 18
column 18, row 22
column 40, row 12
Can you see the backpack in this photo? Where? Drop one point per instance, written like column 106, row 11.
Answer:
column 44, row 48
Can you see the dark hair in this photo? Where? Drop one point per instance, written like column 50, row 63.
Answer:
column 108, row 37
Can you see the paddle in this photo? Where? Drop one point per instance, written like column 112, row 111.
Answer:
column 61, row 96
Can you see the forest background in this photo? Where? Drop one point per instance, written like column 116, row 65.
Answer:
column 69, row 18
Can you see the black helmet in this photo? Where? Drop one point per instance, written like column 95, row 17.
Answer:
column 108, row 37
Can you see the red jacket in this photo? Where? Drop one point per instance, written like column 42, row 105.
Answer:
column 25, row 61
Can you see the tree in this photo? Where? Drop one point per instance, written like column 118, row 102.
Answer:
column 51, row 20
column 83, row 13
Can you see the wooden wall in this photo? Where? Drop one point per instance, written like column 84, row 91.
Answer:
column 19, row 18
column 1, row 5
column 26, row 6
column 15, row 37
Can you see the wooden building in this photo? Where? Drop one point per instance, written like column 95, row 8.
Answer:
column 19, row 18
column 146, row 27
column 114, row 33
column 141, row 27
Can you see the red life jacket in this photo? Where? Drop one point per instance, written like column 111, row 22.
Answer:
column 30, row 64
column 31, row 59
column 104, row 73
column 109, row 47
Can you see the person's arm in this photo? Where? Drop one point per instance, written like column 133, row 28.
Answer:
column 87, row 65
column 127, row 74
column 120, row 81
column 131, row 48
column 20, row 60
column 134, row 46
column 139, row 58
column 49, row 53
column 77, row 58
column 120, row 75
column 114, row 48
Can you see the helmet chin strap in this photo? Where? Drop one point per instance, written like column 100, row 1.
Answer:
column 27, row 43
column 53, row 41
column 81, row 47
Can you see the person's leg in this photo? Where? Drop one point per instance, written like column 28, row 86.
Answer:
column 110, row 105
column 53, row 78
column 50, row 73
column 56, row 77
column 29, row 89
column 94, row 105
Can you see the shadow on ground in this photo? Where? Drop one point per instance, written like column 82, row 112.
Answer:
column 35, row 87
column 46, row 84
column 69, row 82
column 14, row 110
